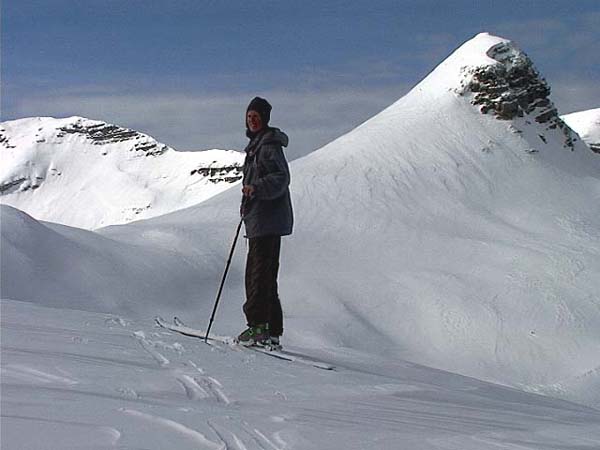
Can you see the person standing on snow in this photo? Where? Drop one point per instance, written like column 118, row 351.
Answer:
column 267, row 214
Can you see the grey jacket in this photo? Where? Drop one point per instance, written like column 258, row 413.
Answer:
column 269, row 211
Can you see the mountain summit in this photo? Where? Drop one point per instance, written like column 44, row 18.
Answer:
column 89, row 174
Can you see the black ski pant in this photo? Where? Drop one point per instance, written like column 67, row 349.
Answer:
column 262, row 299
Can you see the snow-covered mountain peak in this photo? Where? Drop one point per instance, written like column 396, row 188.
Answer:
column 487, row 75
column 89, row 173
column 42, row 130
column 476, row 52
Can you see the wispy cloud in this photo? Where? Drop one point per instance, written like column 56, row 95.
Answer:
column 564, row 44
column 572, row 95
column 199, row 121
column 313, row 104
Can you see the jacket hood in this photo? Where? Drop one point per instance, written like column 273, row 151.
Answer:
column 269, row 136
column 275, row 136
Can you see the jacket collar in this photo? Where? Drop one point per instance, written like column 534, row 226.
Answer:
column 255, row 142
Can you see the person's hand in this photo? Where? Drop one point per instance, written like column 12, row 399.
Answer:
column 248, row 191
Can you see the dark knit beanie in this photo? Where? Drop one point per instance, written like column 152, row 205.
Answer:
column 262, row 107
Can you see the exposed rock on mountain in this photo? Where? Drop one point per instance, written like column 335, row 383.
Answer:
column 103, row 133
column 514, row 88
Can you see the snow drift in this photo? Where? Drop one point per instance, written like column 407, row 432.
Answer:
column 87, row 173
column 458, row 228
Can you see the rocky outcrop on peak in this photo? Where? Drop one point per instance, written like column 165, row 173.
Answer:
column 513, row 88
column 102, row 133
column 216, row 173
column 4, row 141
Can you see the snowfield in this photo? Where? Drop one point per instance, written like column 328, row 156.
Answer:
column 73, row 379
column 446, row 259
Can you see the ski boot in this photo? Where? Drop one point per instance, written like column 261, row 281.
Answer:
column 274, row 343
column 254, row 335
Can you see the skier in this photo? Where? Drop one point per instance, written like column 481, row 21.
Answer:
column 267, row 214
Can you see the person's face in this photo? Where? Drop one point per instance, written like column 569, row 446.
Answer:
column 254, row 121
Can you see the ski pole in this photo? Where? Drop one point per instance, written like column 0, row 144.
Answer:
column 212, row 317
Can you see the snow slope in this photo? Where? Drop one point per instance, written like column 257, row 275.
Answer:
column 86, row 173
column 587, row 125
column 60, row 266
column 455, row 229
column 81, row 380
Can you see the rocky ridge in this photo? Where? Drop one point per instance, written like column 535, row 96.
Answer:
column 100, row 133
column 513, row 88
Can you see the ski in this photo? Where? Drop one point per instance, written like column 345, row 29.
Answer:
column 179, row 327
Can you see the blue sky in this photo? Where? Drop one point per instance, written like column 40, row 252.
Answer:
column 183, row 71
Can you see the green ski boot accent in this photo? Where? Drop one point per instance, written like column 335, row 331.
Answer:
column 254, row 335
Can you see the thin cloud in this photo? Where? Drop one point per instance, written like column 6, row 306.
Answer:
column 572, row 95
column 200, row 121
column 314, row 105
column 563, row 44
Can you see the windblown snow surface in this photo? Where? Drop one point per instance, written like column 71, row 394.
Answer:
column 446, row 260
column 88, row 174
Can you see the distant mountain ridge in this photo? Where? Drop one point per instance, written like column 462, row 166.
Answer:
column 89, row 173
column 587, row 125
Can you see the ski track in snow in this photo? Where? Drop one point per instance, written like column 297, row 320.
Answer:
column 149, row 347
column 260, row 438
column 30, row 374
column 236, row 434
column 225, row 441
column 215, row 388
column 192, row 389
column 246, row 438
column 177, row 427
column 202, row 388
column 199, row 386
column 195, row 387
column 233, row 400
